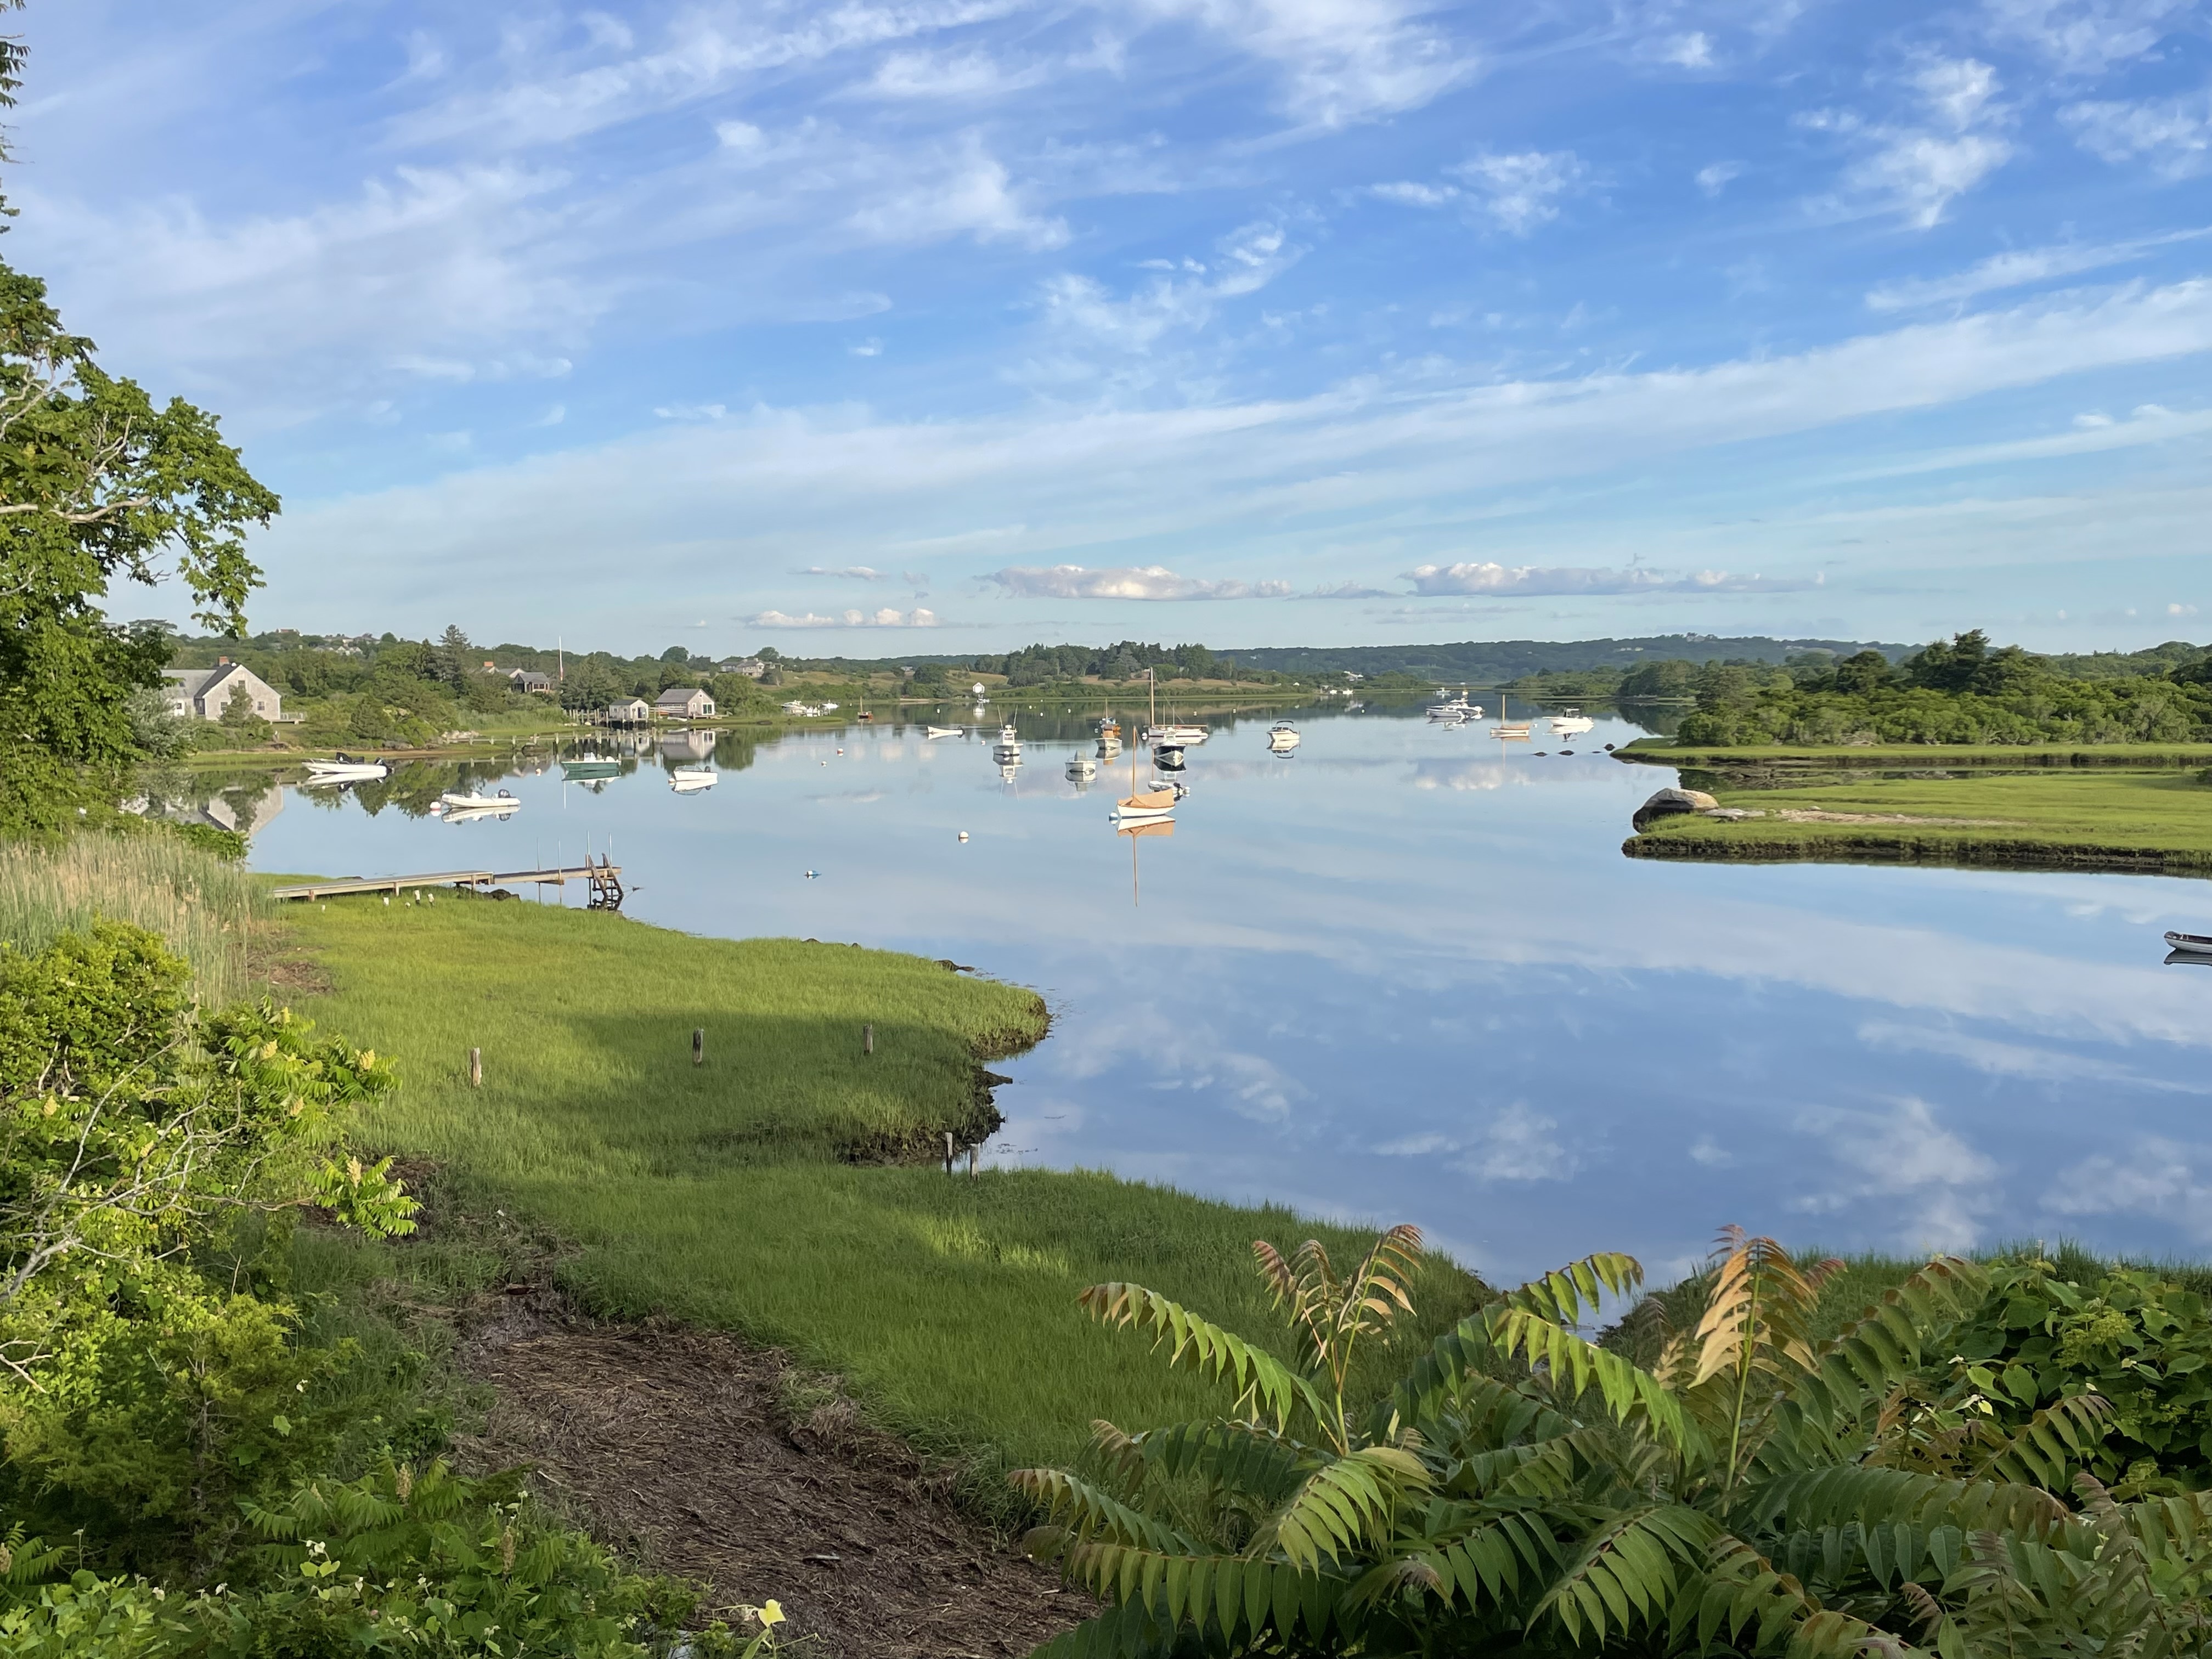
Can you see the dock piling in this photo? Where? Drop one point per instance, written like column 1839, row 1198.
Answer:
column 476, row 1068
column 698, row 1046
column 948, row 1151
column 867, row 1039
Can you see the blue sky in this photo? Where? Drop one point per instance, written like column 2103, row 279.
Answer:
column 889, row 325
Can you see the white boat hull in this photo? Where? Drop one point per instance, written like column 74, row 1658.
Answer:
column 344, row 772
column 940, row 731
column 2190, row 944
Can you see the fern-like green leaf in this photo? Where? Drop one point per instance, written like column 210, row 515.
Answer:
column 1344, row 1503
column 1578, row 1365
column 1263, row 1381
column 1624, row 1574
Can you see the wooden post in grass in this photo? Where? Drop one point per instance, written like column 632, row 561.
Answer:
column 948, row 1151
column 971, row 1161
column 867, row 1039
column 698, row 1045
column 476, row 1068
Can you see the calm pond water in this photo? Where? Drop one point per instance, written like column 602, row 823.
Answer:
column 1405, row 976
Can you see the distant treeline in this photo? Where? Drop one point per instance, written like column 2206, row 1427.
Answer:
column 1955, row 690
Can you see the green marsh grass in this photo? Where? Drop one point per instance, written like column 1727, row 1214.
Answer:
column 206, row 909
column 2160, row 819
column 724, row 1195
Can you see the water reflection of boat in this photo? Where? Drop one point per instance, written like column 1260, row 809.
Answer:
column 1180, row 736
column 1568, row 722
column 469, row 808
column 2190, row 944
column 345, row 770
column 1168, row 758
column 1507, row 728
column 1081, row 769
column 1457, row 711
column 1283, row 738
column 942, row 731
column 689, row 780
column 591, row 766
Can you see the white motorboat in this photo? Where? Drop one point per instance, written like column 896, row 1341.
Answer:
column 346, row 770
column 1081, row 769
column 1458, row 711
column 689, row 780
column 1175, row 786
column 1176, row 737
column 1283, row 738
column 2190, row 944
column 942, row 731
column 1572, row 722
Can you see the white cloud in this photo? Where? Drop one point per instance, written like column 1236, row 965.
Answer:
column 1072, row 581
column 2173, row 134
column 2154, row 1177
column 1523, row 190
column 1528, row 581
column 857, row 573
column 1936, row 1183
column 1415, row 195
column 960, row 189
column 886, row 618
column 692, row 411
column 1520, row 1143
column 1716, row 178
column 970, row 74
column 1225, row 474
column 1248, row 259
column 1918, row 170
column 2085, row 37
column 869, row 347
column 2016, row 269
column 1344, row 60
column 1691, row 50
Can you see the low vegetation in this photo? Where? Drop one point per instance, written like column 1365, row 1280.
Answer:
column 1934, row 1475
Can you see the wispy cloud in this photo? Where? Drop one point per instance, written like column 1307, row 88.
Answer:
column 2174, row 134
column 2017, row 269
column 1917, row 168
column 1072, row 581
column 1516, row 192
column 2085, row 37
column 1526, row 581
column 886, row 618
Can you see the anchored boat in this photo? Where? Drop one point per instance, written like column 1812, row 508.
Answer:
column 345, row 770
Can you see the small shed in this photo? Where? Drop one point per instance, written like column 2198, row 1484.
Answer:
column 630, row 711
column 686, row 703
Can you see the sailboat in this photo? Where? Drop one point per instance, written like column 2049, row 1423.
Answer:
column 1507, row 728
column 1143, row 806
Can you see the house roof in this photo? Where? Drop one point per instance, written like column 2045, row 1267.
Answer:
column 676, row 695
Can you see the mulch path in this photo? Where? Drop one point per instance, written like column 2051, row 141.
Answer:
column 678, row 1448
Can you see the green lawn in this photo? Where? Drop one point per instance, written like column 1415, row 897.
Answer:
column 2122, row 819
column 721, row 1194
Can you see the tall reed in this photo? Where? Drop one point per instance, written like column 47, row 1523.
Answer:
column 204, row 907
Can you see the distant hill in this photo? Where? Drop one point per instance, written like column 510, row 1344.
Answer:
column 1491, row 661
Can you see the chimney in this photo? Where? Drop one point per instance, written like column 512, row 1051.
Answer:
column 222, row 662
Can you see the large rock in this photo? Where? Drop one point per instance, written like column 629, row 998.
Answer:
column 1670, row 803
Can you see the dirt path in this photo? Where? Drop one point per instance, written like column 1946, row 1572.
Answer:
column 679, row 1446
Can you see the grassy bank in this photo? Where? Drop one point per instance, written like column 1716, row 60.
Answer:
column 2152, row 822
column 723, row 1194
column 1664, row 751
column 205, row 909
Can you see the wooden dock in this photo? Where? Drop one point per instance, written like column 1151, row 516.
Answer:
column 603, row 879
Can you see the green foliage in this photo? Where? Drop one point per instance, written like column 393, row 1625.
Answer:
column 1958, row 692
column 1757, row 1487
column 97, row 483
column 137, row 1391
column 394, row 1562
column 2128, row 1336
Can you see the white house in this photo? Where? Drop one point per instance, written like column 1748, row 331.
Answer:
column 751, row 667
column 628, row 711
column 686, row 702
column 202, row 694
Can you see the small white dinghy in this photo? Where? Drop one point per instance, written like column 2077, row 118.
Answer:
column 689, row 780
column 1283, row 738
column 1081, row 769
column 345, row 770
column 2190, row 944
column 941, row 730
column 455, row 809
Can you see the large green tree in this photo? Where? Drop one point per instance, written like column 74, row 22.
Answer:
column 98, row 484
